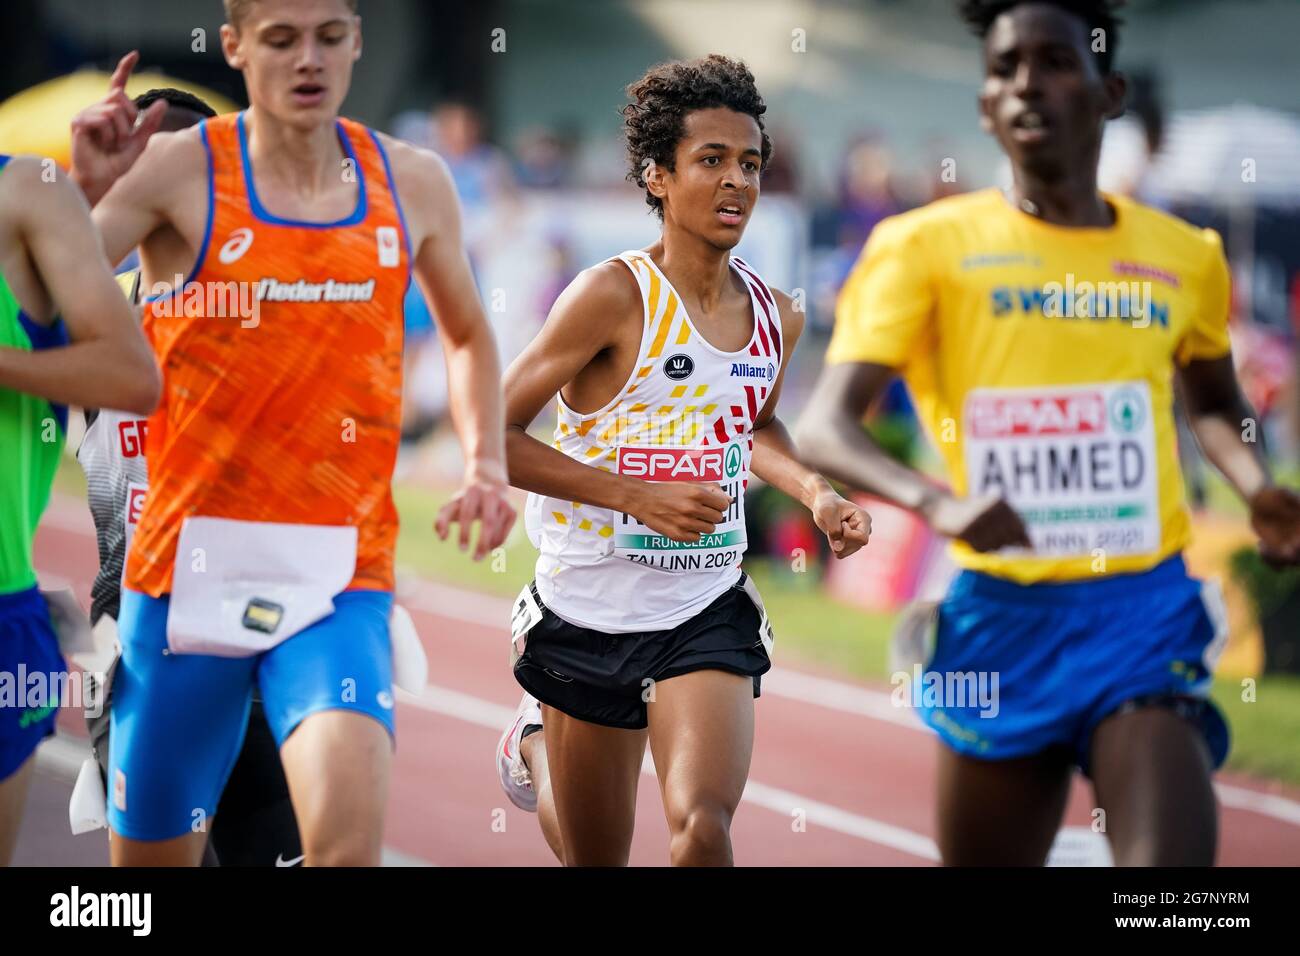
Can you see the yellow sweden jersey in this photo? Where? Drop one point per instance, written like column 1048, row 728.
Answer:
column 1040, row 359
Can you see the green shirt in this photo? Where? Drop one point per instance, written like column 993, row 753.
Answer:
column 32, row 432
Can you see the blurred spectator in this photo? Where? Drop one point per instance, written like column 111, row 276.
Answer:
column 867, row 192
column 544, row 158
column 480, row 170
column 559, row 269
column 1131, row 145
column 866, row 195
column 486, row 186
column 423, row 385
column 781, row 174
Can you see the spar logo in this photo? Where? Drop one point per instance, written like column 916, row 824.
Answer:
column 135, row 503
column 733, row 461
column 1024, row 416
column 1127, row 411
column 676, row 464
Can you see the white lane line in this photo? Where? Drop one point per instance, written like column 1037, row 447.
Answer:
column 391, row 857
column 1269, row 804
column 840, row 696
column 487, row 611
column 450, row 703
column 787, row 804
column 62, row 755
column 473, row 607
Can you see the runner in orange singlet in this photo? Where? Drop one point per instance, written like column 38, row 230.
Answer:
column 276, row 251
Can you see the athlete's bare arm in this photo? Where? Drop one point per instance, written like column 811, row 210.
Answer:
column 473, row 367
column 1221, row 418
column 832, row 439
column 584, row 323
column 777, row 462
column 147, row 190
column 159, row 205
column 51, row 256
column 109, row 136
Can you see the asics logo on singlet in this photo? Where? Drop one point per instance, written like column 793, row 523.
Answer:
column 236, row 246
column 764, row 373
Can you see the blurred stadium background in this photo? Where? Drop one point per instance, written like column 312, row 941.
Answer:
column 871, row 104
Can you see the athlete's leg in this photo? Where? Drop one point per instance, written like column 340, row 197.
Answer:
column 592, row 778
column 1151, row 770
column 1001, row 812
column 176, row 726
column 328, row 697
column 533, row 750
column 337, row 763
column 184, row 850
column 702, row 737
column 13, row 797
column 257, row 827
column 98, row 724
column 27, row 642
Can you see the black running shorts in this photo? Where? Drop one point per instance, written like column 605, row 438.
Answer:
column 607, row 678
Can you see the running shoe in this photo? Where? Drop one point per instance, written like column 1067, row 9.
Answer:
column 516, row 781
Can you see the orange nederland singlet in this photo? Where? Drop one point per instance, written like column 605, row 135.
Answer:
column 287, row 412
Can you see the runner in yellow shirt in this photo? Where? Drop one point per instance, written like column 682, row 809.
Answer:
column 1040, row 333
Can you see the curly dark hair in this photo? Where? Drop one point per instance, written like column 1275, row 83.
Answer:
column 655, row 121
column 1097, row 14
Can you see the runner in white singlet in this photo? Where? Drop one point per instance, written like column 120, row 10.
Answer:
column 640, row 626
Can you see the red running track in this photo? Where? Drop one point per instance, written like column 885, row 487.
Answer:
column 839, row 776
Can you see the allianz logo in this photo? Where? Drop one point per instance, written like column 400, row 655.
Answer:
column 762, row 372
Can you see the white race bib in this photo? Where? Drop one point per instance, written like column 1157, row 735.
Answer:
column 724, row 546
column 523, row 617
column 764, row 625
column 410, row 663
column 242, row 587
column 1078, row 463
column 132, row 509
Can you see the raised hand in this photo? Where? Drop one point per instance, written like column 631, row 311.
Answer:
column 109, row 136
